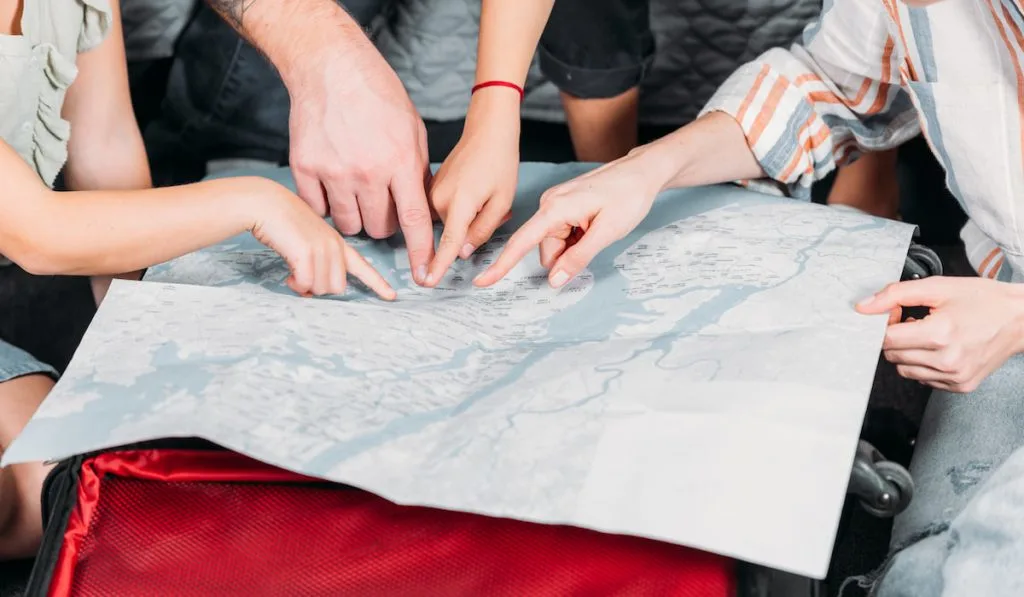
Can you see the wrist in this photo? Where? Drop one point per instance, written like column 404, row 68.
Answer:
column 664, row 163
column 325, row 34
column 253, row 201
column 497, row 101
column 499, row 84
column 493, row 107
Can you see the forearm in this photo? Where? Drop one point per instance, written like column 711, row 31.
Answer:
column 509, row 32
column 710, row 150
column 108, row 232
column 296, row 35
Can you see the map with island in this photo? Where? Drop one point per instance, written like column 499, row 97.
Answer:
column 703, row 382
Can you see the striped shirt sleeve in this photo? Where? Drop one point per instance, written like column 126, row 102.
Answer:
column 824, row 101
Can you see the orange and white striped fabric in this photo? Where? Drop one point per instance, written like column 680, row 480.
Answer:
column 872, row 74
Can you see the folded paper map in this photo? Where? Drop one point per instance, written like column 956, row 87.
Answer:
column 703, row 383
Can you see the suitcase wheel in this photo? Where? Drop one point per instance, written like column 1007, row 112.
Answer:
column 921, row 262
column 897, row 497
column 884, row 488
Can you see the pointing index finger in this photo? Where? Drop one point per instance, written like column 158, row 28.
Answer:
column 454, row 236
column 519, row 244
column 415, row 220
column 361, row 269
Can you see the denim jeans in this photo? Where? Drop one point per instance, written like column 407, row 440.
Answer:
column 963, row 534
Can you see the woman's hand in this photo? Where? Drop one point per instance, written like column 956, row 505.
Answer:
column 974, row 326
column 580, row 218
column 317, row 255
column 473, row 190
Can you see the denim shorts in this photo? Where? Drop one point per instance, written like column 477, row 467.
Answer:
column 597, row 48
column 15, row 362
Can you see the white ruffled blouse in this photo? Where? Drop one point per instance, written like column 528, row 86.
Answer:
column 36, row 69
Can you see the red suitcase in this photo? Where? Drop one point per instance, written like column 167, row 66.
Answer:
column 206, row 522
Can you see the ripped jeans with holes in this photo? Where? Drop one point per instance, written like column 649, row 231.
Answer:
column 963, row 534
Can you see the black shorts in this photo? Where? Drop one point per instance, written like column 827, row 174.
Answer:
column 597, row 48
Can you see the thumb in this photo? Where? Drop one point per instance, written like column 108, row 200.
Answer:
column 579, row 255
column 928, row 292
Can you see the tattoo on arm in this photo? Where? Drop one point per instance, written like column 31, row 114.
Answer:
column 233, row 10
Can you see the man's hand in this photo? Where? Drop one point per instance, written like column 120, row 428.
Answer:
column 359, row 152
column 975, row 325
column 358, row 146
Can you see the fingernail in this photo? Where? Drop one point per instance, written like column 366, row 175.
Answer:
column 559, row 278
column 429, row 280
column 467, row 250
column 421, row 272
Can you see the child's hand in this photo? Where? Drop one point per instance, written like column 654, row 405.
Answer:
column 580, row 218
column 317, row 255
column 474, row 188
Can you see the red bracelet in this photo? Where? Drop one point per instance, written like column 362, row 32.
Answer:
column 480, row 86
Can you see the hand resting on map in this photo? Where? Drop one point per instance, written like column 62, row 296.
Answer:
column 974, row 326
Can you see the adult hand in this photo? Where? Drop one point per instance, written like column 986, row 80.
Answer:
column 580, row 218
column 974, row 326
column 359, row 149
column 475, row 186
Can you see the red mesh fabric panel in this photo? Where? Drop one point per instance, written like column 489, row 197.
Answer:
column 147, row 537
